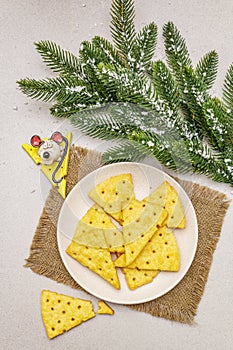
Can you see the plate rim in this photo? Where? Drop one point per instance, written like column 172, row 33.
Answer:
column 149, row 298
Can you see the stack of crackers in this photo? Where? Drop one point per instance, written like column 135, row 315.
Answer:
column 120, row 232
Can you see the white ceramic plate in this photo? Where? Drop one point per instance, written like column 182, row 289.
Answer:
column 146, row 178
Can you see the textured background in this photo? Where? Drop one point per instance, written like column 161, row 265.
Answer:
column 206, row 25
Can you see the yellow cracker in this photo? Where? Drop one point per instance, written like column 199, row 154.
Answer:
column 120, row 261
column 140, row 221
column 136, row 278
column 32, row 152
column 96, row 229
column 161, row 253
column 140, row 217
column 97, row 260
column 114, row 194
column 60, row 313
column 104, row 308
column 167, row 196
column 176, row 218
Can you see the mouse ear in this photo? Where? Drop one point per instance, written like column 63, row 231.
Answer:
column 36, row 141
column 57, row 137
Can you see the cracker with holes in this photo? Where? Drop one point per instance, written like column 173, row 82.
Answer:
column 104, row 308
column 95, row 229
column 114, row 194
column 145, row 246
column 160, row 253
column 96, row 259
column 165, row 195
column 136, row 278
column 140, row 221
column 60, row 313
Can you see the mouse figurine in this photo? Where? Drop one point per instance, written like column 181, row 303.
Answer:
column 51, row 150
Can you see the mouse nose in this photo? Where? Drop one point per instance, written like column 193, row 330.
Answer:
column 46, row 155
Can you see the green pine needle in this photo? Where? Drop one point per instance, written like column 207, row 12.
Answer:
column 122, row 26
column 57, row 59
column 219, row 131
column 207, row 69
column 228, row 89
column 176, row 50
column 124, row 152
column 47, row 89
column 111, row 54
column 144, row 48
column 164, row 110
column 165, row 84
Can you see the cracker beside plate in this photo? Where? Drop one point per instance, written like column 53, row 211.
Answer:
column 60, row 313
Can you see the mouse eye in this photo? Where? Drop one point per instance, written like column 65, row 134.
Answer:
column 49, row 144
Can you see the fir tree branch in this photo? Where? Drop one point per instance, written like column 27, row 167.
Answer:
column 122, row 26
column 175, row 153
column 144, row 48
column 179, row 62
column 64, row 89
column 101, row 124
column 92, row 54
column 67, row 109
column 126, row 151
column 228, row 90
column 106, row 127
column 47, row 89
column 59, row 60
column 194, row 93
column 176, row 50
column 207, row 68
column 62, row 109
column 111, row 54
column 209, row 164
column 165, row 85
column 130, row 87
column 219, row 132
column 92, row 57
column 136, row 89
column 167, row 111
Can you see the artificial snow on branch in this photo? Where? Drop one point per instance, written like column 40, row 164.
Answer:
column 119, row 90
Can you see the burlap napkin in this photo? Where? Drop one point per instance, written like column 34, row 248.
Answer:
column 181, row 303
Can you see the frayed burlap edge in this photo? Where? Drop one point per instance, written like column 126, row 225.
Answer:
column 181, row 303
column 49, row 262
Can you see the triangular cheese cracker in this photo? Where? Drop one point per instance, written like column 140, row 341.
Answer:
column 60, row 313
column 176, row 217
column 97, row 260
column 32, row 152
column 136, row 278
column 167, row 196
column 95, row 229
column 120, row 261
column 104, row 308
column 114, row 194
column 140, row 220
column 160, row 253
